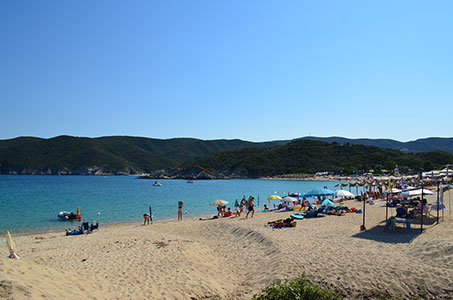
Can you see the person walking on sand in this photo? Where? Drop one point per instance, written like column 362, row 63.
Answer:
column 250, row 208
column 146, row 221
column 180, row 205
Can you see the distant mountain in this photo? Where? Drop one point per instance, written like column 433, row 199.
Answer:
column 420, row 145
column 107, row 155
column 310, row 156
column 134, row 155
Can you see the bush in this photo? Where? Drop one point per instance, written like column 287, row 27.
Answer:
column 298, row 288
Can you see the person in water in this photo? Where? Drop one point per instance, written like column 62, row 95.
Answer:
column 146, row 221
column 180, row 205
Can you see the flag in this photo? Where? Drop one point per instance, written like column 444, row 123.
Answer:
column 402, row 185
column 390, row 186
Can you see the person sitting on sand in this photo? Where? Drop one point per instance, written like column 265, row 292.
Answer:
column 420, row 208
column 266, row 208
column 228, row 213
column 146, row 221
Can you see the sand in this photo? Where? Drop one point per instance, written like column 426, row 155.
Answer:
column 232, row 259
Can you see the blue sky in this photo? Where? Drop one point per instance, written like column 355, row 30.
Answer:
column 254, row 70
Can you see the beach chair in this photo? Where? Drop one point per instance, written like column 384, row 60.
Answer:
column 425, row 212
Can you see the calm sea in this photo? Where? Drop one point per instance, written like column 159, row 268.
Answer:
column 31, row 203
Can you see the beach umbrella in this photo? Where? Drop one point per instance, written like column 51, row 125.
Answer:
column 319, row 192
column 344, row 194
column 289, row 199
column 10, row 244
column 416, row 193
column 273, row 197
column 219, row 202
column 327, row 202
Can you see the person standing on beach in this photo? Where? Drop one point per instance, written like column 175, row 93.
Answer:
column 241, row 206
column 250, row 208
column 180, row 205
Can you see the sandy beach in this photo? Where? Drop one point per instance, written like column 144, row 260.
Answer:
column 232, row 259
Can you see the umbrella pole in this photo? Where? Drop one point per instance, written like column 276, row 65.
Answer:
column 438, row 202
column 364, row 205
column 386, row 208
column 421, row 211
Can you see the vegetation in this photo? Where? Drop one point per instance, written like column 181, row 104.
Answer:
column 129, row 154
column 309, row 156
column 420, row 145
column 122, row 154
column 301, row 289
column 298, row 288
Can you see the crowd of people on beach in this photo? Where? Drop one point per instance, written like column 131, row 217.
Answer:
column 248, row 204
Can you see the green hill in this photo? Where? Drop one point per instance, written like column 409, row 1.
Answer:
column 106, row 155
column 419, row 145
column 310, row 156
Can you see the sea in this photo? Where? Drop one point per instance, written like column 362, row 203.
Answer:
column 31, row 203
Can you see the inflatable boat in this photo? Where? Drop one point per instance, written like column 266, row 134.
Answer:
column 65, row 215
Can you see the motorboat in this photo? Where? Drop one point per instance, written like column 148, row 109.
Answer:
column 189, row 181
column 65, row 215
column 157, row 183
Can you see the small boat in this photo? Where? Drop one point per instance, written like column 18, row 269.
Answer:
column 65, row 215
column 189, row 181
column 157, row 183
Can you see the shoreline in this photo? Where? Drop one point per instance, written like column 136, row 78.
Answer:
column 234, row 258
column 37, row 231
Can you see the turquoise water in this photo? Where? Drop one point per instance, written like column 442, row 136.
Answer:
column 33, row 202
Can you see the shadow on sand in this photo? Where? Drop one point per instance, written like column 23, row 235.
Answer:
column 379, row 234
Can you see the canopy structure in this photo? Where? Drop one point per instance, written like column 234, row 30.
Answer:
column 344, row 194
column 416, row 193
column 319, row 192
column 394, row 190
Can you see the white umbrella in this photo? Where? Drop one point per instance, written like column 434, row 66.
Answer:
column 394, row 190
column 289, row 199
column 219, row 202
column 344, row 194
column 416, row 193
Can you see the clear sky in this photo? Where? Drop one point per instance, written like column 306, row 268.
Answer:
column 254, row 70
